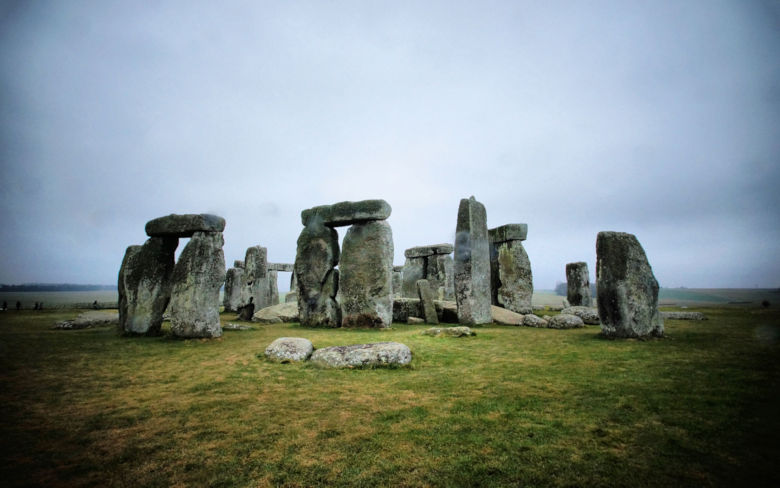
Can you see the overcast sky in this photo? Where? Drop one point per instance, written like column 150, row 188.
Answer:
column 657, row 118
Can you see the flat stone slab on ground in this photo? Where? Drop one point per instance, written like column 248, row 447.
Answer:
column 87, row 320
column 683, row 316
column 184, row 225
column 232, row 326
column 505, row 317
column 348, row 213
column 460, row 331
column 589, row 315
column 275, row 314
column 565, row 321
column 509, row 232
column 422, row 251
column 378, row 354
column 287, row 349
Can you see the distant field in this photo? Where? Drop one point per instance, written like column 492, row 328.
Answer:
column 61, row 299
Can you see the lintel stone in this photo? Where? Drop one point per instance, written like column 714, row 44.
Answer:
column 286, row 267
column 348, row 213
column 423, row 251
column 184, row 225
column 509, row 232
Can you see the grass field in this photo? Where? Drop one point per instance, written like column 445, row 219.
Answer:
column 513, row 406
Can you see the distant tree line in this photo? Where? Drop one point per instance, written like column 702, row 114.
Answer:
column 561, row 288
column 54, row 287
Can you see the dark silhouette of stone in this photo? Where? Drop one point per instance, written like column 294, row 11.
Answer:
column 578, row 284
column 472, row 264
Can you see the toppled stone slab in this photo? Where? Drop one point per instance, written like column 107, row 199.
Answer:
column 683, row 316
column 531, row 320
column 588, row 315
column 288, row 349
column 565, row 321
column 347, row 213
column 423, row 251
column 285, row 267
column 275, row 314
column 378, row 354
column 506, row 317
column 185, row 225
column 232, row 326
column 509, row 232
column 415, row 321
column 90, row 319
column 472, row 264
column 460, row 331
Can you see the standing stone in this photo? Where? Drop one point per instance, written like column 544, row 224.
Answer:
column 144, row 285
column 626, row 288
column 414, row 270
column 472, row 264
column 426, row 300
column 397, row 281
column 432, row 263
column 366, row 275
column 439, row 273
column 316, row 277
column 256, row 283
column 511, row 278
column 273, row 288
column 233, row 286
column 578, row 284
column 197, row 278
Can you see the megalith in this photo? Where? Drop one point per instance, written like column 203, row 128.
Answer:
column 578, row 284
column 347, row 213
column 626, row 289
column 256, row 286
column 186, row 225
column 197, row 278
column 233, row 285
column 316, row 278
column 511, row 277
column 426, row 301
column 432, row 263
column 144, row 285
column 472, row 264
column 397, row 281
column 366, row 275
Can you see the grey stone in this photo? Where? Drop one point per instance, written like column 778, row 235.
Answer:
column 238, row 264
column 588, row 315
column 231, row 301
column 509, row 232
column 460, row 331
column 426, row 300
column 472, row 264
column 506, row 317
column 414, row 270
column 397, row 283
column 378, row 354
column 415, row 321
column 144, row 285
column 398, row 269
column 439, row 271
column 403, row 308
column 197, row 278
column 288, row 349
column 447, row 310
column 423, row 251
column 578, row 284
column 626, row 288
column 284, row 267
column 512, row 284
column 89, row 319
column 531, row 320
column 275, row 314
column 273, row 287
column 232, row 326
column 256, row 286
column 317, row 279
column 366, row 276
column 291, row 297
column 347, row 213
column 683, row 316
column 564, row 321
column 186, row 225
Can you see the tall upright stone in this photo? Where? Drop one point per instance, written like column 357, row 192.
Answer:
column 397, row 281
column 472, row 264
column 512, row 284
column 233, row 285
column 426, row 302
column 144, row 285
column 626, row 289
column 578, row 284
column 273, row 287
column 316, row 278
column 366, row 275
column 256, row 286
column 197, row 278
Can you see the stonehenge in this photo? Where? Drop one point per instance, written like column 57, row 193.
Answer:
column 260, row 287
column 510, row 269
column 578, row 284
column 432, row 263
column 472, row 264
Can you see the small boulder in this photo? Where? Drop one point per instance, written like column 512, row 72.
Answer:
column 284, row 312
column 588, row 315
column 378, row 354
column 505, row 317
column 565, row 321
column 415, row 321
column 460, row 331
column 532, row 320
column 287, row 349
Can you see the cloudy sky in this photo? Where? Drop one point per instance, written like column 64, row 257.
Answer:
column 659, row 118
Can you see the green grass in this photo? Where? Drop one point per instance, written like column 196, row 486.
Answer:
column 513, row 406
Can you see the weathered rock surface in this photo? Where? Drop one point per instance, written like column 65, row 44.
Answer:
column 282, row 312
column 232, row 326
column 144, row 285
column 506, row 317
column 512, row 280
column 397, row 282
column 285, row 267
column 366, row 276
column 472, row 264
column 447, row 310
column 423, row 251
column 403, row 308
column 578, row 284
column 626, row 288
column 291, row 297
column 531, row 320
column 288, row 349
column 440, row 273
column 231, row 300
column 90, row 319
column 415, row 321
column 347, row 213
column 316, row 277
column 565, row 321
column 508, row 232
column 426, row 300
column 238, row 264
column 414, row 270
column 683, row 316
column 373, row 355
column 185, row 225
column 588, row 315
column 460, row 331
column 256, row 283
column 273, row 287
column 197, row 278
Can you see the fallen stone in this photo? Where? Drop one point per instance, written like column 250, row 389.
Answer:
column 415, row 321
column 288, row 349
column 378, row 354
column 186, row 225
column 506, row 317
column 275, row 314
column 565, row 321
column 316, row 277
column 472, row 264
column 460, row 331
column 403, row 308
column 588, row 315
column 509, row 232
column 447, row 311
column 426, row 300
column 626, row 288
column 531, row 320
column 423, row 251
column 578, row 284
column 347, row 213
column 90, row 319
column 232, row 326
column 683, row 316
